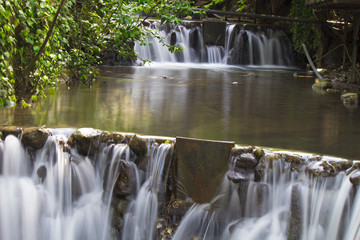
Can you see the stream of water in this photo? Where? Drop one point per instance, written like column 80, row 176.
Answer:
column 214, row 93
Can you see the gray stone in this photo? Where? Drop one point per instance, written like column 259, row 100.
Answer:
column 237, row 177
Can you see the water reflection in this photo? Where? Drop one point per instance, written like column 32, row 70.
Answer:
column 266, row 108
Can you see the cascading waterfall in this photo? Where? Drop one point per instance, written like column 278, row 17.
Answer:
column 143, row 210
column 285, row 204
column 58, row 193
column 242, row 47
column 49, row 196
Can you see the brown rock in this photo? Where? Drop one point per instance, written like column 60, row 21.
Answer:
column 35, row 137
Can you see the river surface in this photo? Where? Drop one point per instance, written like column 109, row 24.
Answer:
column 267, row 108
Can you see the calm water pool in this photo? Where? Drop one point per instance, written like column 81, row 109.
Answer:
column 248, row 106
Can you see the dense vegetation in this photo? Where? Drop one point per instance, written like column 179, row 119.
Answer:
column 40, row 38
column 303, row 32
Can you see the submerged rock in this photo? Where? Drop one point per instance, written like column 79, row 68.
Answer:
column 350, row 98
column 86, row 140
column 322, row 85
column 35, row 137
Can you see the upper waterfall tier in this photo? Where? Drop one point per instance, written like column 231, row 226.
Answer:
column 260, row 47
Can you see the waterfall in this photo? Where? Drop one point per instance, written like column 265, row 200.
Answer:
column 284, row 204
column 118, row 193
column 56, row 193
column 143, row 210
column 242, row 46
column 46, row 194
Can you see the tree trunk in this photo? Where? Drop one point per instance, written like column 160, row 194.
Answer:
column 354, row 49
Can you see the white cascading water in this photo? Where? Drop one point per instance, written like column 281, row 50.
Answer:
column 326, row 208
column 139, row 222
column 37, row 199
column 242, row 47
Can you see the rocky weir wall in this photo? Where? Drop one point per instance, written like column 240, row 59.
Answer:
column 244, row 168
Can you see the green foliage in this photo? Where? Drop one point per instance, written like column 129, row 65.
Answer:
column 85, row 31
column 240, row 3
column 303, row 32
column 24, row 26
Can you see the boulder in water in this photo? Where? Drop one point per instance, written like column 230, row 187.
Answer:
column 296, row 213
column 42, row 172
column 245, row 161
column 322, row 85
column 265, row 162
column 295, row 161
column 10, row 130
column 350, row 98
column 112, row 137
column 35, row 137
column 321, row 169
column 237, row 177
column 126, row 181
column 86, row 140
column 355, row 178
column 137, row 145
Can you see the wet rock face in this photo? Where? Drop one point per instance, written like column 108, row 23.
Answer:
column 126, row 181
column 85, row 140
column 112, row 137
column 322, row 85
column 246, row 161
column 237, row 177
column 42, row 172
column 296, row 213
column 35, row 137
column 10, row 130
column 350, row 98
column 355, row 178
column 137, row 145
column 321, row 169
column 265, row 162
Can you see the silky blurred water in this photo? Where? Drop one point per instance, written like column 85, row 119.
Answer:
column 264, row 107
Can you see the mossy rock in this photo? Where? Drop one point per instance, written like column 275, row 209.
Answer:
column 350, row 98
column 112, row 138
column 258, row 153
column 265, row 162
column 295, row 161
column 35, row 137
column 355, row 178
column 321, row 169
column 341, row 165
column 10, row 130
column 137, row 145
column 237, row 150
column 86, row 140
column 322, row 85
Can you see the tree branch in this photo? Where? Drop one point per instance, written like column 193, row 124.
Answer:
column 49, row 33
